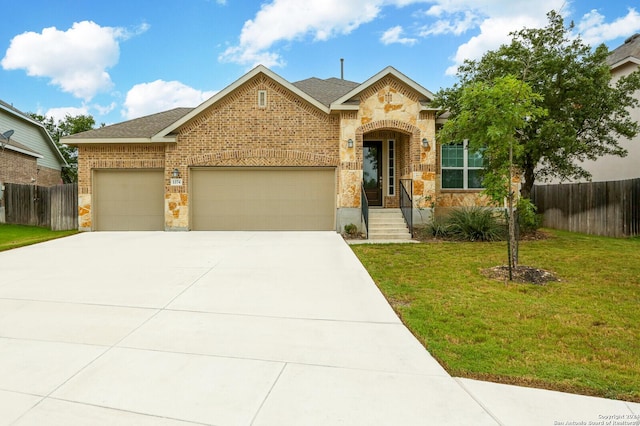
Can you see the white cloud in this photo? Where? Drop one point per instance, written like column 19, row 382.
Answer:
column 593, row 29
column 392, row 35
column 493, row 33
column 289, row 20
column 76, row 60
column 493, row 19
column 61, row 112
column 457, row 25
column 148, row 98
column 104, row 109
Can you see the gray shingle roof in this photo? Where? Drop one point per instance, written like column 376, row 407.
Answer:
column 326, row 91
column 143, row 127
column 630, row 48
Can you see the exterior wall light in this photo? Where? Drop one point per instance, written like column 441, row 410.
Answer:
column 350, row 143
column 425, row 143
column 175, row 173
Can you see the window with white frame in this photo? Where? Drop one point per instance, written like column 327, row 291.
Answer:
column 461, row 167
column 391, row 154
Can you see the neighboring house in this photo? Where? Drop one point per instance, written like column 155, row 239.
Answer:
column 267, row 154
column 623, row 60
column 30, row 156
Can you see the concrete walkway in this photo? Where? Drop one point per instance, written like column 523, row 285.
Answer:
column 246, row 328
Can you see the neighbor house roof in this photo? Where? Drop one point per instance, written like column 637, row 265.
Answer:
column 20, row 147
column 136, row 130
column 627, row 52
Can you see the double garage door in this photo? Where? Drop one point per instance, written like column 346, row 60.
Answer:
column 262, row 198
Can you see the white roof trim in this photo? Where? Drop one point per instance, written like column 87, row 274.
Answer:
column 631, row 59
column 337, row 105
column 91, row 141
column 23, row 151
column 260, row 69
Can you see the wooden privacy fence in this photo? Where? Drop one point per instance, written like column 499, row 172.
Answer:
column 54, row 207
column 600, row 208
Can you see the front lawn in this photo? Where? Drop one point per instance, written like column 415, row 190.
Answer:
column 581, row 334
column 12, row 236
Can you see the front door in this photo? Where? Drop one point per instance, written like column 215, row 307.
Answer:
column 372, row 172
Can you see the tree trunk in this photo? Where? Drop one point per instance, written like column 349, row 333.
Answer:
column 513, row 241
column 527, row 183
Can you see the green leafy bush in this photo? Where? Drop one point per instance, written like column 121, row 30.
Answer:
column 351, row 230
column 475, row 224
column 528, row 218
column 438, row 227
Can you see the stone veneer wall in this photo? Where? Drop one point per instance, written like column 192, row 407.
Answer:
column 389, row 105
column 120, row 156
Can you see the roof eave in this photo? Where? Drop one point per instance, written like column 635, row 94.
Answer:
column 631, row 59
column 23, row 151
column 127, row 141
column 344, row 107
column 233, row 86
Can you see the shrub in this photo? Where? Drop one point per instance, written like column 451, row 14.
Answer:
column 475, row 224
column 351, row 230
column 438, row 227
column 528, row 219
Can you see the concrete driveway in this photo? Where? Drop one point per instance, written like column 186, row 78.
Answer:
column 238, row 328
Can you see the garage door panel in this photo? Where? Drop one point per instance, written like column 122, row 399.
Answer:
column 128, row 200
column 263, row 199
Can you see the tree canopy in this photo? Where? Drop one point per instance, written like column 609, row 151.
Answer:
column 68, row 126
column 587, row 113
column 493, row 117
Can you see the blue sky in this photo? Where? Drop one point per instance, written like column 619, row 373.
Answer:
column 121, row 59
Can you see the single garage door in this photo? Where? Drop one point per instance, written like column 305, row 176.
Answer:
column 263, row 198
column 128, row 200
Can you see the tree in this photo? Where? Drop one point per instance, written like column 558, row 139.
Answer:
column 494, row 117
column 69, row 126
column 587, row 114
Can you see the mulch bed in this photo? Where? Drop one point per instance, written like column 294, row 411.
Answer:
column 521, row 274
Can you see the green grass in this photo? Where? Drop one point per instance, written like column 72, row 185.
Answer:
column 13, row 236
column 579, row 335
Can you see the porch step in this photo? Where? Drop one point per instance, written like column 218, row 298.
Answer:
column 387, row 224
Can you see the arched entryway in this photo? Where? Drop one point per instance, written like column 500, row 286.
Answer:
column 387, row 150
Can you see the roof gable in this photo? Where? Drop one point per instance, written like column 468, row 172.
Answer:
column 165, row 133
column 345, row 102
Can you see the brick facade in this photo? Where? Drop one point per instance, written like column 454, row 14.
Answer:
column 16, row 167
column 49, row 177
column 287, row 131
